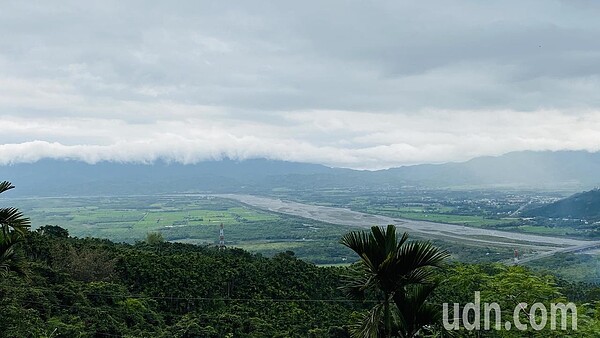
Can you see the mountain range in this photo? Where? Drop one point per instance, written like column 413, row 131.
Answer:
column 565, row 170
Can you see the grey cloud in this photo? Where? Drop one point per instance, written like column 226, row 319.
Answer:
column 243, row 69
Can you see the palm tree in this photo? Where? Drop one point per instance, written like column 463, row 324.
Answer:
column 10, row 258
column 14, row 226
column 388, row 267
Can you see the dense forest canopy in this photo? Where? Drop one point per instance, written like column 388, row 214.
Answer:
column 97, row 288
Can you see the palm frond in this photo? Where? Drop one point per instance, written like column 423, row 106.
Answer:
column 11, row 259
column 13, row 218
column 402, row 240
column 356, row 241
column 362, row 243
column 370, row 325
column 413, row 256
column 414, row 312
column 13, row 227
column 385, row 239
column 5, row 185
column 358, row 281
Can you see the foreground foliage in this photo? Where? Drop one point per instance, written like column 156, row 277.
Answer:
column 400, row 273
column 97, row 288
column 14, row 226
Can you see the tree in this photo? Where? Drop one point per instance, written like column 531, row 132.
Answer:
column 154, row 238
column 87, row 264
column 14, row 226
column 53, row 230
column 388, row 268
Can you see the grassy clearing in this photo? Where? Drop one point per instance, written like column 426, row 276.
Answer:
column 269, row 246
column 542, row 230
column 334, row 265
column 436, row 216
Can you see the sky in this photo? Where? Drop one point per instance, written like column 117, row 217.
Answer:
column 358, row 84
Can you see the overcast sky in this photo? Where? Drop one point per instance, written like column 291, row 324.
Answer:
column 361, row 84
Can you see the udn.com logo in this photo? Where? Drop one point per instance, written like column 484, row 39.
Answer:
column 537, row 316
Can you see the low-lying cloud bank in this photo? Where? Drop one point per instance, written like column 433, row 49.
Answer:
column 334, row 138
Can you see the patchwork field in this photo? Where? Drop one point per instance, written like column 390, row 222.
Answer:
column 189, row 219
column 196, row 220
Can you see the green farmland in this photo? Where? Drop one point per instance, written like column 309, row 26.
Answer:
column 196, row 220
column 441, row 215
column 189, row 219
column 130, row 218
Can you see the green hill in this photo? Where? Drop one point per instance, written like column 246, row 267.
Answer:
column 585, row 205
column 97, row 288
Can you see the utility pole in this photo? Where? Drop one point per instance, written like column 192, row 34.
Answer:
column 221, row 238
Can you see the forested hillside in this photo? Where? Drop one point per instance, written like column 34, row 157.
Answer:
column 97, row 288
column 585, row 206
column 91, row 287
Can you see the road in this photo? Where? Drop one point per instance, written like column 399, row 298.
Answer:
column 579, row 248
column 516, row 212
column 543, row 245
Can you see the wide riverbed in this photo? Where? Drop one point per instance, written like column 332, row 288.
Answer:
column 424, row 229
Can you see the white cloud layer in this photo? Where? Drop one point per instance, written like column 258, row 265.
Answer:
column 344, row 83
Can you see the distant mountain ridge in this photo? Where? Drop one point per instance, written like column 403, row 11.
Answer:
column 525, row 168
column 56, row 177
column 571, row 170
column 584, row 205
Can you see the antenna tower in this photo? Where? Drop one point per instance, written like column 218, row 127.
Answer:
column 221, row 238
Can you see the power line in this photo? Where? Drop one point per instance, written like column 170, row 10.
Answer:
column 75, row 306
column 274, row 300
